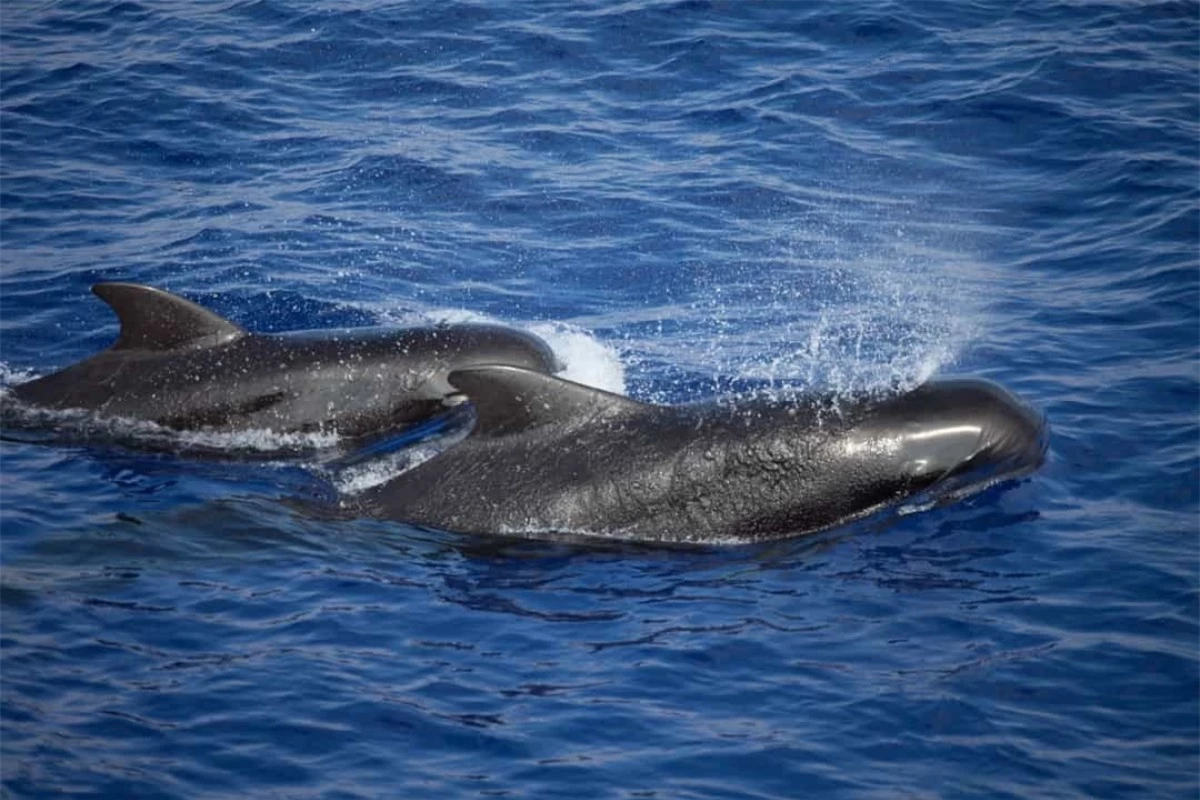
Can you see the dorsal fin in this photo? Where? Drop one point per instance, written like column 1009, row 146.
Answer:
column 153, row 319
column 508, row 399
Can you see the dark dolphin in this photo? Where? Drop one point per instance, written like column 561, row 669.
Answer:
column 181, row 366
column 548, row 455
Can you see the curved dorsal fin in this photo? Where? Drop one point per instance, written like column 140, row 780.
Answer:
column 509, row 399
column 153, row 319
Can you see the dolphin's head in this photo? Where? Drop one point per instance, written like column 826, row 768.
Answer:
column 953, row 436
column 479, row 344
column 513, row 347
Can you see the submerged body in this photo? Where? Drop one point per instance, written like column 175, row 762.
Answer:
column 548, row 455
column 183, row 367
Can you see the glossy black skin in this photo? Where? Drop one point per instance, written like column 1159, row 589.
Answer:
column 710, row 473
column 352, row 382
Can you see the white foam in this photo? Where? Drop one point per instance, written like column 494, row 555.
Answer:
column 10, row 377
column 85, row 425
column 360, row 477
column 257, row 439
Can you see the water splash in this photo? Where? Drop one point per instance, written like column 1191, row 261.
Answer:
column 585, row 358
column 850, row 326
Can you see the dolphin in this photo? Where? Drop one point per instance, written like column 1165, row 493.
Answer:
column 180, row 365
column 546, row 455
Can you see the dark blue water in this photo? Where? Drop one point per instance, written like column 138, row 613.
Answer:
column 690, row 198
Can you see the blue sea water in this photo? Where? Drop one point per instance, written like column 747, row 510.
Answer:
column 688, row 198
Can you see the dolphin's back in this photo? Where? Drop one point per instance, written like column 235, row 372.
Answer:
column 549, row 456
column 180, row 365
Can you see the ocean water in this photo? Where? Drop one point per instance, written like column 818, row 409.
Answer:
column 689, row 199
